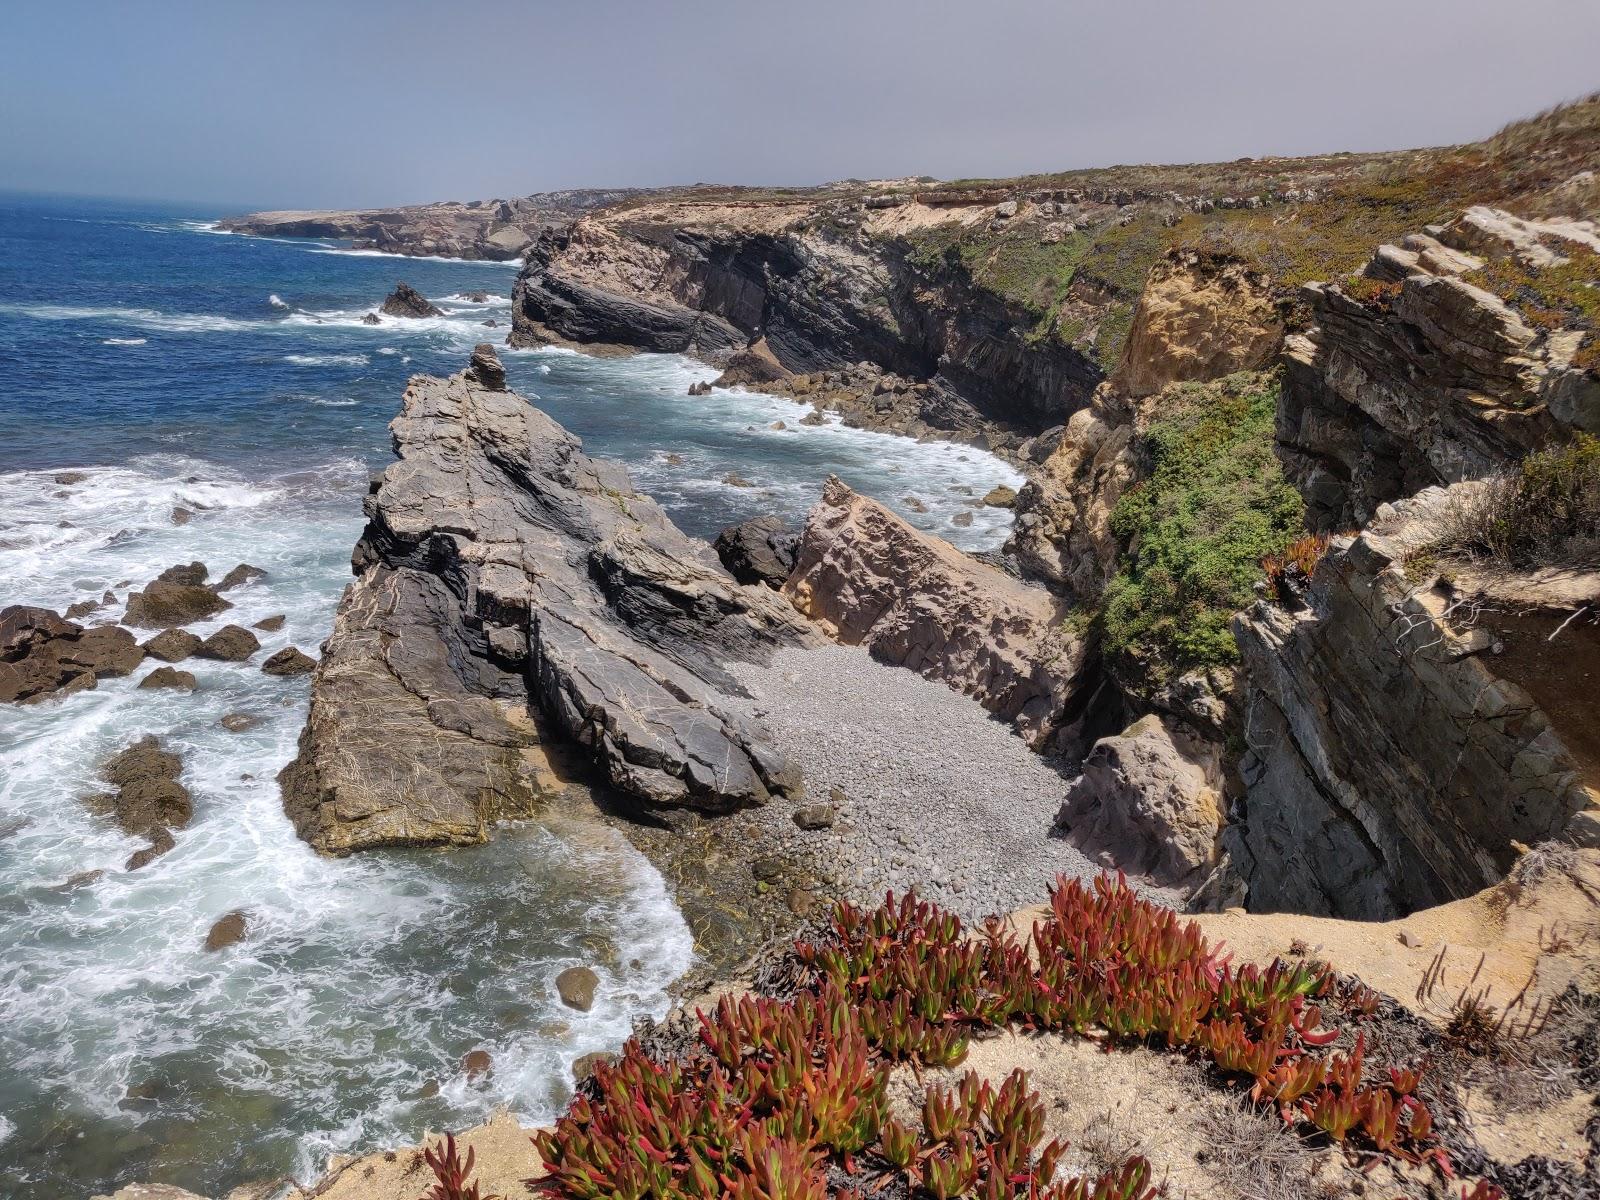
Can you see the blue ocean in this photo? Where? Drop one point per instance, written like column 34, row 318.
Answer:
column 168, row 394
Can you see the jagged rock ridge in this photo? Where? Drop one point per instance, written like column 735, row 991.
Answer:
column 504, row 574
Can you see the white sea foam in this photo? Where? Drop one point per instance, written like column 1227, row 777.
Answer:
column 147, row 317
column 360, row 976
column 124, row 341
column 516, row 264
column 330, row 402
column 277, row 302
column 327, row 360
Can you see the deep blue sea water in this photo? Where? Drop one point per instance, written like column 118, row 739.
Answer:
column 148, row 364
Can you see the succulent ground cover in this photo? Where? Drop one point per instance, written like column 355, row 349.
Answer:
column 788, row 1099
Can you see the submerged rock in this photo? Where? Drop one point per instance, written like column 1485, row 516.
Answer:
column 228, row 930
column 503, row 569
column 406, row 301
column 240, row 575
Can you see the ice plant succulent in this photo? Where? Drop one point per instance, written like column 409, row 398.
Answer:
column 788, row 1100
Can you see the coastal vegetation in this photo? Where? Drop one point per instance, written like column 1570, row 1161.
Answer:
column 1215, row 505
column 789, row 1098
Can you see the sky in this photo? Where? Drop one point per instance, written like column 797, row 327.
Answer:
column 349, row 103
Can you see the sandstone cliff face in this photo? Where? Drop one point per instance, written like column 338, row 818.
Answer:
column 1388, row 767
column 870, row 579
column 504, row 575
column 1198, row 318
column 1434, row 380
column 820, row 287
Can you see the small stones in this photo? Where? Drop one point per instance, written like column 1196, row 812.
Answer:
column 289, row 661
column 475, row 1063
column 169, row 678
column 172, row 645
column 270, row 624
column 576, row 987
column 228, row 930
column 231, row 643
column 801, row 901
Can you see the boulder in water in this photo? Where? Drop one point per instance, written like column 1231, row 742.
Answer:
column 190, row 574
column 476, row 1063
column 172, row 645
column 576, row 987
column 149, row 800
column 237, row 722
column 169, row 678
column 270, row 624
column 228, row 930
column 371, row 319
column 43, row 654
column 289, row 661
column 242, row 574
column 406, row 301
column 165, row 605
column 231, row 643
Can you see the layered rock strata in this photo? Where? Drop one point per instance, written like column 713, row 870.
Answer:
column 509, row 587
column 1389, row 766
column 1430, row 378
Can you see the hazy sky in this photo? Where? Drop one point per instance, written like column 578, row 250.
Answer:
column 346, row 103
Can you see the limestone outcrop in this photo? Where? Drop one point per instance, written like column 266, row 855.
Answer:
column 1149, row 801
column 1426, row 376
column 868, row 578
column 1390, row 765
column 511, row 589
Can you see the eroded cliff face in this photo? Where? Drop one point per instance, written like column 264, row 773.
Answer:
column 1426, row 377
column 822, row 285
column 1389, row 767
column 508, row 584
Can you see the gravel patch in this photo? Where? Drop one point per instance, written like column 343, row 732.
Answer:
column 932, row 792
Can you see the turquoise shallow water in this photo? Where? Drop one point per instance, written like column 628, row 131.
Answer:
column 147, row 363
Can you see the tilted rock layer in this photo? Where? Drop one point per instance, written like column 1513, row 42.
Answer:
column 1388, row 767
column 503, row 574
column 1437, row 380
column 915, row 601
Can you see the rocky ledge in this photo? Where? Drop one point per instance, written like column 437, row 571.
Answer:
column 513, row 594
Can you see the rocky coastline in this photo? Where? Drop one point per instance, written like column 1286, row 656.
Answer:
column 1305, row 694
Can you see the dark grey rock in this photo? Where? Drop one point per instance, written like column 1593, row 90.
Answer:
column 406, row 301
column 761, row 550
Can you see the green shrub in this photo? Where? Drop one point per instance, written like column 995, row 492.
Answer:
column 1216, row 503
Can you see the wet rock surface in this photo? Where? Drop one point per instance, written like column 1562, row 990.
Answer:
column 43, row 654
column 148, row 800
column 506, row 582
column 168, row 603
column 289, row 661
column 406, row 301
